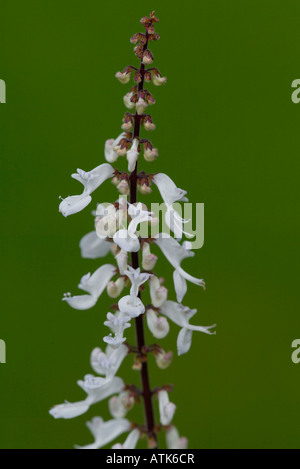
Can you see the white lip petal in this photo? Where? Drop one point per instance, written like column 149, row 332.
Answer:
column 133, row 310
column 105, row 432
column 93, row 247
column 127, row 242
column 180, row 286
column 74, row 204
column 81, row 302
column 184, row 341
column 168, row 189
column 69, row 410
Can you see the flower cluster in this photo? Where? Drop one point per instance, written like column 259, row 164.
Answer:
column 116, row 231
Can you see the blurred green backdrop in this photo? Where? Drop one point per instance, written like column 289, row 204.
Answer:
column 228, row 132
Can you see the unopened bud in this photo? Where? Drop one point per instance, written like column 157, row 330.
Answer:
column 141, row 106
column 147, row 77
column 144, row 188
column 157, row 79
column 114, row 289
column 123, row 77
column 123, row 187
column 150, row 154
column 163, row 359
column 149, row 260
column 148, row 123
column 158, row 325
column 147, row 57
column 127, row 100
column 158, row 294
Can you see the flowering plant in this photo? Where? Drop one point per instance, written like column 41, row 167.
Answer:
column 117, row 230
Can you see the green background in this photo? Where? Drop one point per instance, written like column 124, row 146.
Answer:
column 228, row 132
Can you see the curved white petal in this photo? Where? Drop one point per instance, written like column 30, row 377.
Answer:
column 130, row 442
column 92, row 246
column 127, row 242
column 184, row 341
column 105, row 432
column 166, row 408
column 99, row 389
column 69, row 410
column 80, row 302
column 174, row 441
column 168, row 189
column 132, row 308
column 74, row 204
column 107, row 363
column 179, row 285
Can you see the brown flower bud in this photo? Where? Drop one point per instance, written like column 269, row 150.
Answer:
column 135, row 38
column 137, row 77
column 147, row 57
column 147, row 77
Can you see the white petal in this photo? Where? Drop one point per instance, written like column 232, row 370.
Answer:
column 176, row 312
column 180, row 286
column 127, row 242
column 166, row 408
column 105, row 432
column 184, row 341
column 97, row 282
column 99, row 389
column 69, row 410
column 130, row 442
column 74, row 204
column 173, row 251
column 174, row 441
column 93, row 247
column 81, row 302
column 122, row 258
column 168, row 189
column 133, row 309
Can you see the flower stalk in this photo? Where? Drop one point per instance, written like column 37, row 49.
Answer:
column 117, row 231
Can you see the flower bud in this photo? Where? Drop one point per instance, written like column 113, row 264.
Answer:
column 123, row 77
column 114, row 289
column 127, row 122
column 137, row 77
column 163, row 359
column 149, row 260
column 158, row 294
column 150, row 155
column 141, row 106
column 157, row 79
column 121, row 259
column 116, row 180
column 148, row 123
column 147, row 77
column 144, row 188
column 147, row 57
column 132, row 155
column 123, row 187
column 127, row 100
column 158, row 325
column 121, row 404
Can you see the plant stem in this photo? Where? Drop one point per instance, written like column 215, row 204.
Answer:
column 139, row 325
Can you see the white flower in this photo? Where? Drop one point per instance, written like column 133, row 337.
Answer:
column 166, row 408
column 117, row 323
column 92, row 246
column 91, row 180
column 107, row 363
column 93, row 285
column 171, row 194
column 105, row 432
column 130, row 442
column 132, row 155
column 181, row 315
column 175, row 253
column 110, row 155
column 149, row 260
column 150, row 154
column 121, row 404
column 158, row 293
column 97, row 389
column 158, row 325
column 131, row 304
column 128, row 240
column 174, row 441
